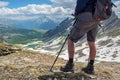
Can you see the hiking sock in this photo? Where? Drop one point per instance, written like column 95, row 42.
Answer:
column 70, row 60
column 91, row 62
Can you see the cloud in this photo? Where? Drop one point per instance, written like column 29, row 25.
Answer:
column 3, row 4
column 59, row 10
column 34, row 11
column 65, row 3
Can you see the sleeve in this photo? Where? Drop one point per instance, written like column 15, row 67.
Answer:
column 80, row 6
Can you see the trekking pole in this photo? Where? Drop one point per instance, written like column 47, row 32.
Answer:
column 59, row 53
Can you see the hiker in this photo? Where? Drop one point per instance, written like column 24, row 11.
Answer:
column 84, row 24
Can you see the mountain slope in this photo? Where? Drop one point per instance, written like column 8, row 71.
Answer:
column 29, row 65
column 63, row 28
column 59, row 30
column 107, row 47
column 107, row 41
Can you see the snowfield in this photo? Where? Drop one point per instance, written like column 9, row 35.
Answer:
column 108, row 49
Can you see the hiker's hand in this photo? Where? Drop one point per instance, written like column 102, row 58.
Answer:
column 75, row 16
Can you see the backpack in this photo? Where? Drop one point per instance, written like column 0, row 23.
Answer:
column 102, row 9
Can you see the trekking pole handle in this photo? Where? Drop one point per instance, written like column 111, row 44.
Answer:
column 114, row 5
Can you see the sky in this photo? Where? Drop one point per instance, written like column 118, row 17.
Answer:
column 56, row 10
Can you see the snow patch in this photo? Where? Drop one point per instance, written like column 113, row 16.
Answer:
column 108, row 52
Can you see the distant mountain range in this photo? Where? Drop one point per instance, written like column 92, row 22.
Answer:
column 25, row 31
column 40, row 23
column 15, row 31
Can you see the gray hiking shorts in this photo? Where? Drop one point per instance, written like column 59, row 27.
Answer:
column 84, row 24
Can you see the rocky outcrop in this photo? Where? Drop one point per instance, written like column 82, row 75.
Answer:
column 6, row 49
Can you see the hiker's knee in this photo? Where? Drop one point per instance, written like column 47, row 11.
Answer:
column 91, row 44
column 70, row 41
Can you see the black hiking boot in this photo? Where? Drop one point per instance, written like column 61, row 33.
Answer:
column 69, row 67
column 89, row 69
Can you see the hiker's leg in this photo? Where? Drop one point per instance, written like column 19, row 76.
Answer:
column 91, row 42
column 69, row 65
column 91, row 35
column 90, row 67
column 92, row 52
column 71, row 50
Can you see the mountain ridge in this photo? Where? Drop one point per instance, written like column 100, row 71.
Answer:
column 65, row 26
column 30, row 24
